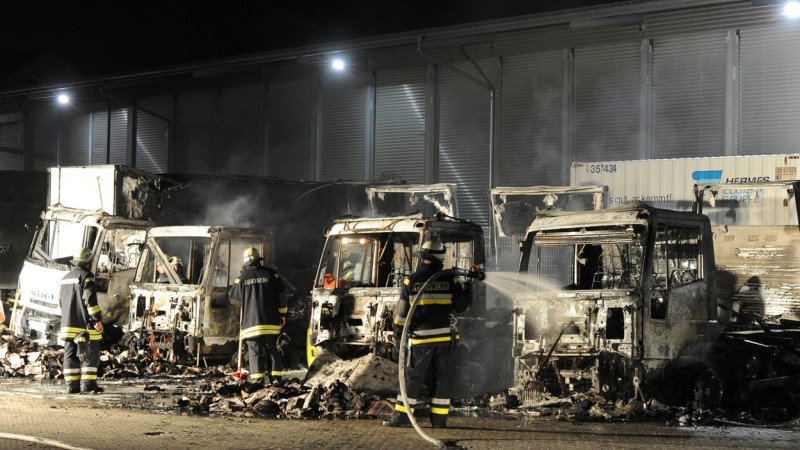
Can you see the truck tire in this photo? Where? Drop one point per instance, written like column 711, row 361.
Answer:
column 706, row 390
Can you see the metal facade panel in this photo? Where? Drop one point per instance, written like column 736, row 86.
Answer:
column 118, row 139
column 343, row 146
column 606, row 104
column 74, row 136
column 99, row 142
column 463, row 117
column 152, row 134
column 242, row 150
column 41, row 137
column 400, row 105
column 195, row 133
column 290, row 118
column 11, row 139
column 769, row 90
column 531, row 137
column 689, row 95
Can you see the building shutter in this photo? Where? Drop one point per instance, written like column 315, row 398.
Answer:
column 152, row 134
column 242, row 130
column 74, row 135
column 769, row 90
column 463, row 116
column 531, row 136
column 195, row 133
column 343, row 107
column 42, row 137
column 291, row 122
column 689, row 95
column 400, row 105
column 99, row 142
column 11, row 157
column 606, row 97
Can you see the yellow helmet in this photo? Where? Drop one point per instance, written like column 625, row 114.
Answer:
column 434, row 248
column 82, row 255
column 251, row 254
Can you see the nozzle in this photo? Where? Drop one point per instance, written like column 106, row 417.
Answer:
column 474, row 272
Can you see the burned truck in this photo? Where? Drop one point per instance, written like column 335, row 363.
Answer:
column 624, row 302
column 104, row 208
column 185, row 315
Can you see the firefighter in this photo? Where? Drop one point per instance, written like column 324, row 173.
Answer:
column 261, row 293
column 432, row 335
column 177, row 266
column 81, row 325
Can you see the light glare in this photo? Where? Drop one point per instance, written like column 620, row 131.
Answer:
column 337, row 64
column 792, row 10
column 63, row 99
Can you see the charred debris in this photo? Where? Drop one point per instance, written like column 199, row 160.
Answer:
column 170, row 387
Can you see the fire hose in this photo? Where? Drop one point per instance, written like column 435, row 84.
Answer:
column 473, row 273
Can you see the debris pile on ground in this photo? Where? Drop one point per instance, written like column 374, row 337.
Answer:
column 368, row 373
column 289, row 399
column 21, row 358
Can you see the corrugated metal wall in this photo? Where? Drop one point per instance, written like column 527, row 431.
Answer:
column 99, row 139
column 41, row 136
column 153, row 133
column 463, row 137
column 770, row 90
column 531, row 137
column 607, row 102
column 11, row 139
column 400, row 115
column 118, row 139
column 291, row 124
column 74, row 131
column 689, row 95
column 196, row 132
column 242, row 129
column 343, row 106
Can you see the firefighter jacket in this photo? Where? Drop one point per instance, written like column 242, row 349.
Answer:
column 79, row 309
column 258, row 290
column 430, row 323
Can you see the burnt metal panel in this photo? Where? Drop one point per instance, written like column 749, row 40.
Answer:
column 343, row 146
column 606, row 104
column 74, row 132
column 242, row 130
column 531, row 138
column 290, row 121
column 400, row 106
column 689, row 95
column 464, row 128
column 769, row 90
column 196, row 132
column 11, row 157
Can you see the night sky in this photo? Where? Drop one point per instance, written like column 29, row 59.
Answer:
column 103, row 38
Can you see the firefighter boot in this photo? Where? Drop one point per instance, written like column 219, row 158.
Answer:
column 74, row 387
column 399, row 419
column 91, row 387
column 438, row 420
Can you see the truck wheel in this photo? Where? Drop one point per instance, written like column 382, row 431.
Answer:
column 471, row 377
column 706, row 390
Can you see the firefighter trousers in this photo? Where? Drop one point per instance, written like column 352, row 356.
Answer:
column 436, row 360
column 81, row 375
column 264, row 358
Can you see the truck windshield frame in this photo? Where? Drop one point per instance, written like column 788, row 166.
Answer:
column 367, row 260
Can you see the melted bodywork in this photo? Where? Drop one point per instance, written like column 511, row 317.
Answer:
column 188, row 315
column 115, row 244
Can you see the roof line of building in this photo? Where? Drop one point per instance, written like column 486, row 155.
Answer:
column 582, row 15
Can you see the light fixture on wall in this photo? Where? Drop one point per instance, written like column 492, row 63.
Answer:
column 791, row 9
column 338, row 64
column 63, row 98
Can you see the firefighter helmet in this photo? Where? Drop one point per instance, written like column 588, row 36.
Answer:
column 175, row 260
column 433, row 248
column 82, row 255
column 251, row 254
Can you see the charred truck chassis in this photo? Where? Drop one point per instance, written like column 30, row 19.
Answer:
column 636, row 315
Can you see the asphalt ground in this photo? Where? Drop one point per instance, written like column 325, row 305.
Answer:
column 34, row 415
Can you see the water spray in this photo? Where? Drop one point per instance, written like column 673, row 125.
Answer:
column 475, row 273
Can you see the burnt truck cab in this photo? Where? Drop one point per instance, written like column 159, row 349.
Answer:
column 114, row 242
column 187, row 314
column 361, row 273
column 606, row 299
